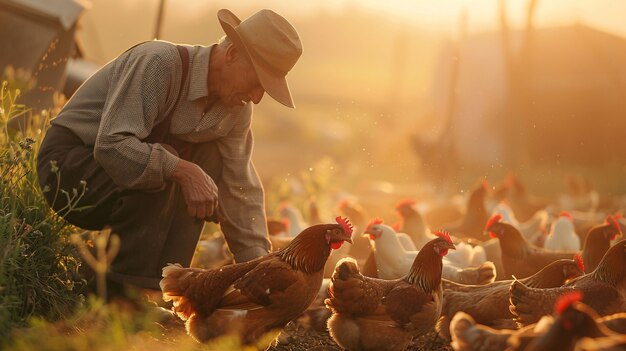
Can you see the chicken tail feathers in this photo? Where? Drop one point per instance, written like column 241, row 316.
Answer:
column 483, row 274
column 529, row 304
column 468, row 336
column 486, row 273
column 173, row 275
column 346, row 288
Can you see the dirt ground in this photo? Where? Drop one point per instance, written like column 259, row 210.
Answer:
column 295, row 337
column 309, row 334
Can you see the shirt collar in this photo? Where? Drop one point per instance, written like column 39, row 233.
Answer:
column 199, row 72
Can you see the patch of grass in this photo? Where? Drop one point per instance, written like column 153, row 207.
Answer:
column 38, row 264
column 100, row 327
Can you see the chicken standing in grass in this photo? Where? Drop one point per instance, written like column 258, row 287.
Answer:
column 376, row 314
column 252, row 298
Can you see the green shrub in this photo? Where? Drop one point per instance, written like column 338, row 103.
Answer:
column 38, row 264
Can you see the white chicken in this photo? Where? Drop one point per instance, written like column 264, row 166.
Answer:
column 294, row 218
column 562, row 236
column 403, row 238
column 467, row 255
column 394, row 261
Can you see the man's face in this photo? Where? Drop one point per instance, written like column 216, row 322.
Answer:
column 239, row 81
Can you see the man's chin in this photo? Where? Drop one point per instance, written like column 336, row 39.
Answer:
column 234, row 103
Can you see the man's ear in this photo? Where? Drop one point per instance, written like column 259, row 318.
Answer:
column 232, row 54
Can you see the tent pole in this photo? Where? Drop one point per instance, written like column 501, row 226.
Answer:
column 159, row 21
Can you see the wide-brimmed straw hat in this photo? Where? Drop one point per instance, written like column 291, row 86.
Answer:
column 271, row 43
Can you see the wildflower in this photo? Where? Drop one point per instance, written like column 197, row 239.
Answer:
column 53, row 166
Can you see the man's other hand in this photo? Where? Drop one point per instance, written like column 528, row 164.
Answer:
column 199, row 189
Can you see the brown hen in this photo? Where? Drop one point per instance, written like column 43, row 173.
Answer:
column 489, row 304
column 375, row 314
column 573, row 320
column 519, row 257
column 598, row 241
column 476, row 215
column 252, row 298
column 604, row 289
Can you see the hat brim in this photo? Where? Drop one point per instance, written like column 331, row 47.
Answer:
column 274, row 83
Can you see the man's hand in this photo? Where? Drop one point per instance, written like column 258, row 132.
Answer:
column 199, row 190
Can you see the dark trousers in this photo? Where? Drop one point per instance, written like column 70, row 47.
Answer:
column 154, row 226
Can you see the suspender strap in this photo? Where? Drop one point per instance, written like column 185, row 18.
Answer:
column 161, row 132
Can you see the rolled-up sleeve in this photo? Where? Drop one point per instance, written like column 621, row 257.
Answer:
column 241, row 195
column 142, row 87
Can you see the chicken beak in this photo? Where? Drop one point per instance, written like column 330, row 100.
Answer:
column 348, row 240
column 451, row 247
column 370, row 235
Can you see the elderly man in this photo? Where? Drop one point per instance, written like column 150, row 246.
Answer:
column 162, row 137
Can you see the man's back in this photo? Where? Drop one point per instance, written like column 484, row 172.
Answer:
column 142, row 76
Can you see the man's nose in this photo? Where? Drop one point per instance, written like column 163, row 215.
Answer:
column 257, row 94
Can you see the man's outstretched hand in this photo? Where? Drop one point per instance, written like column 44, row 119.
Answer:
column 199, row 189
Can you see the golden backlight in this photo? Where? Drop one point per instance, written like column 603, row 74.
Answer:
column 408, row 91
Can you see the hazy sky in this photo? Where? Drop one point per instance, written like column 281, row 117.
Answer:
column 111, row 25
column 606, row 14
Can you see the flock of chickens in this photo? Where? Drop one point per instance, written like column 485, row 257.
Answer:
column 509, row 274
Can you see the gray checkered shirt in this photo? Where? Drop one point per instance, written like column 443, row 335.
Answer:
column 119, row 105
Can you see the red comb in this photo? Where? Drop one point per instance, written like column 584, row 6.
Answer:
column 612, row 221
column 566, row 300
column 344, row 222
column 444, row 235
column 618, row 216
column 565, row 214
column 485, row 184
column 405, row 202
column 494, row 219
column 578, row 258
column 372, row 222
